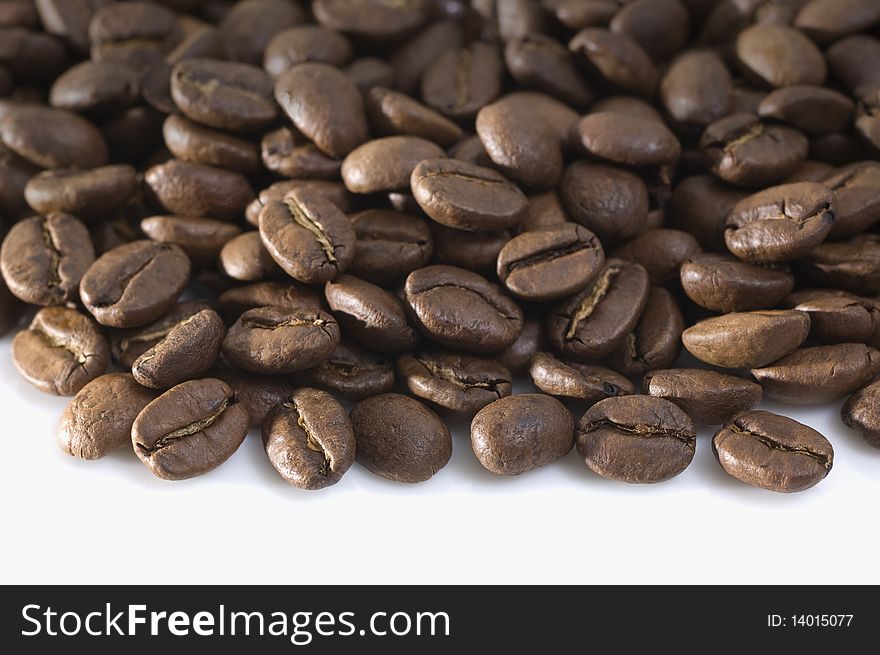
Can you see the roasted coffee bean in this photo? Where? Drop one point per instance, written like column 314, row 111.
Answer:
column 99, row 418
column 856, row 189
column 43, row 258
column 609, row 201
column 134, row 133
column 747, row 339
column 375, row 20
column 15, row 172
column 390, row 245
column 517, row 357
column 539, row 62
column 629, row 106
column 199, row 40
column 778, row 55
column 636, row 439
column 812, row 109
column 248, row 26
column 369, row 72
column 351, row 371
column 700, row 205
column 192, row 142
column 52, row 138
column 325, row 105
column 97, row 88
column 626, row 140
column 862, row 412
column 661, row 252
column 309, row 439
column 277, row 340
column 550, row 263
column 459, row 82
column 772, row 452
column 708, row 397
column 615, row 60
column 287, row 152
column 594, row 322
column 335, row 192
column 819, row 374
column 781, row 223
column 201, row 239
column 190, row 429
column 61, row 351
column 90, row 194
column 135, row 283
column 544, row 210
column 258, row 394
column 370, row 314
column 656, row 340
column 223, row 95
column 68, row 19
column 133, row 32
column 286, row 295
column 571, row 380
column 191, row 189
column 851, row 61
column 127, row 345
column 661, row 27
column 245, row 258
column 838, row 316
column 460, row 383
column 30, row 55
column 828, row 20
column 308, row 236
column 386, row 164
column 721, row 283
column 811, row 170
column 742, row 150
column 411, row 59
column 391, row 112
column 186, row 352
column 520, row 433
column 696, row 89
column 460, row 309
column 305, row 43
column 853, row 265
column 400, row 439
column 474, row 251
column 578, row 14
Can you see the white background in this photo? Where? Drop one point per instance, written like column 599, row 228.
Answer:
column 110, row 521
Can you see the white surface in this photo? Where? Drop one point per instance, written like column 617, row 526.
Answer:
column 110, row 521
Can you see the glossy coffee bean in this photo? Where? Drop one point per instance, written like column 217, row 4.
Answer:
column 518, row 356
column 772, row 452
column 572, row 380
column 722, row 283
column 474, row 251
column 386, row 164
column 544, row 210
column 391, row 112
column 400, row 439
column 656, row 340
column 89, row 194
column 309, row 440
column 708, row 397
column 636, row 439
column 52, row 138
column 661, row 27
column 189, row 189
column 352, row 372
column 459, row 82
column 288, row 152
column 853, row 265
column 98, row 88
column 68, row 19
column 615, row 60
column 303, row 43
column 128, row 345
column 190, row 429
column 812, row 109
column 825, row 21
column 287, row 295
column 626, row 140
column 537, row 61
column 201, row 239
column 862, row 412
column 258, row 394
column 661, row 252
column 700, row 205
column 856, row 190
column 375, row 20
column 410, row 60
column 245, row 258
column 696, row 89
column 838, row 316
column 248, row 27
column 136, row 33
column 335, row 192
column 192, row 142
column 520, row 433
column 778, row 55
column 390, row 244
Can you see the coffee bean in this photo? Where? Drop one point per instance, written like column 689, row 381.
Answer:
column 781, row 223
column 259, row 395
column 661, row 252
column 539, row 62
column 52, row 138
column 30, row 55
column 201, row 239
column 811, row 170
column 819, row 374
column 191, row 189
column 43, row 258
column 826, row 20
column 460, row 309
column 223, row 95
column 286, row 295
column 661, row 27
column 191, row 142
column 60, row 352
column 309, row 439
column 838, row 316
column 459, row 383
column 696, row 89
column 721, row 283
column 812, row 109
column 190, row 429
column 544, row 210
column 351, row 371
column 656, row 340
column 135, row 33
column 325, row 105
column 411, row 59
column 520, row 433
column 128, row 345
column 459, row 82
column 856, row 189
column 708, row 397
column 376, row 20
column 615, row 60
column 700, row 205
column 572, row 380
column 860, row 412
column 386, row 164
column 852, row 62
column 335, row 192
column 308, row 236
column 747, row 339
column 287, row 152
column 134, row 133
column 305, row 43
column 474, row 251
column 277, row 340
column 390, row 245
column 626, row 140
column 248, row 26
column 853, row 264
column 68, row 19
column 370, row 314
column 391, row 112
column 400, row 439
column 369, row 72
column 778, row 55
column 15, row 172
column 466, row 197
column 199, row 40
column 550, row 263
column 577, row 14
column 517, row 356
column 245, row 258
column 629, row 106
column 90, row 194
column 636, row 439
column 592, row 323
column 772, row 452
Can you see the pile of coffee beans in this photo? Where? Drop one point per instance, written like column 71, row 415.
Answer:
column 346, row 222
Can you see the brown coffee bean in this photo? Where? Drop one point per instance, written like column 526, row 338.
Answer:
column 99, row 418
column 133, row 32
column 474, row 251
column 571, row 380
column 550, row 263
column 99, row 88
column 517, row 356
column 851, row 61
column 661, row 252
column 838, row 316
column 411, row 59
column 308, row 236
column 190, row 429
column 772, row 452
column 856, row 189
column 386, row 164
column 351, row 371
column 828, row 20
column 89, row 194
column 52, row 138
column 248, row 26
column 400, row 439
column 708, row 397
column 721, row 283
column 306, row 43
column 258, row 394
column 696, row 90
column 375, row 20
column 245, row 258
column 626, row 140
column 615, row 60
column 127, row 345
column 594, row 322
column 191, row 189
column 31, row 55
column 747, row 339
column 661, row 27
column 578, row 14
column 391, row 112
column 286, row 295
column 853, row 264
column 460, row 309
column 191, row 142
column 43, row 258
column 636, row 439
column 778, row 55
column 15, row 172
column 60, row 352
column 459, row 82
column 277, row 340
column 390, row 245
column 520, row 433
column 700, row 205
column 309, row 439
column 369, row 72
column 656, row 340
column 539, row 62
column 860, row 412
column 811, row 171
column 201, row 239
column 544, row 210
column 287, row 152
column 812, row 109
column 68, row 19
column 134, row 284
